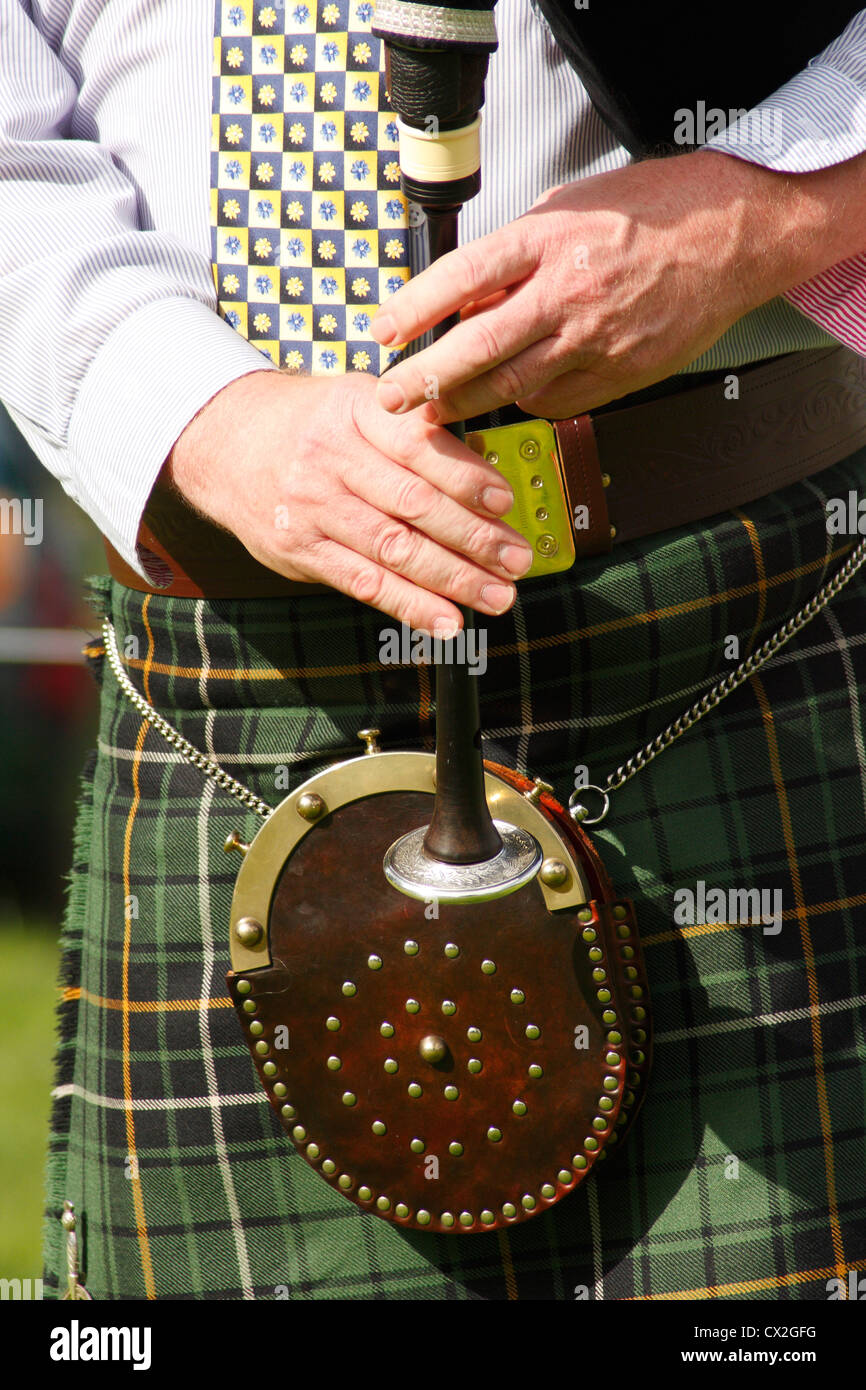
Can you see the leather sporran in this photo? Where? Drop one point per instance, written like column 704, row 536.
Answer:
column 454, row 1067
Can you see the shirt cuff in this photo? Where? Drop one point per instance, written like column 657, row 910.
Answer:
column 154, row 372
column 836, row 301
column 814, row 121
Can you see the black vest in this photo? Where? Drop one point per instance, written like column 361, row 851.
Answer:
column 644, row 61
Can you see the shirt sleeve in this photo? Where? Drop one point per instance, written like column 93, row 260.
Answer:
column 109, row 338
column 814, row 121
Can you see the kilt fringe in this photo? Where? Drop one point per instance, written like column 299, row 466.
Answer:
column 66, row 1020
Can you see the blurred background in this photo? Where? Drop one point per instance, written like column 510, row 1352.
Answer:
column 48, row 721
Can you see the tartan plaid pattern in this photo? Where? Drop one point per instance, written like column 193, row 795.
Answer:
column 743, row 1177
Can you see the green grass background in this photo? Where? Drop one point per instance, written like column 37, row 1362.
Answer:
column 29, row 956
column 48, row 726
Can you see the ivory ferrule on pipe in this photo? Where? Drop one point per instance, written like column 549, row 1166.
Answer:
column 439, row 157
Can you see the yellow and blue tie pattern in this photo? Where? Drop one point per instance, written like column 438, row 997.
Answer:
column 309, row 224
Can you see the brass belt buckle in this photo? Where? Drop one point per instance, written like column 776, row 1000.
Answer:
column 527, row 455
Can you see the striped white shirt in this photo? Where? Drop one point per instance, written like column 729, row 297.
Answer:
column 109, row 337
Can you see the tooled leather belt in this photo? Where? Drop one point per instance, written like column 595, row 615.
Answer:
column 633, row 469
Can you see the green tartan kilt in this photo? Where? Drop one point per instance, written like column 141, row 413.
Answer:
column 743, row 1176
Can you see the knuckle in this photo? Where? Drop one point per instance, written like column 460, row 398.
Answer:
column 394, row 545
column 467, row 271
column 410, row 438
column 326, row 562
column 465, row 582
column 301, row 545
column 481, row 539
column 367, row 585
column 308, row 537
column 485, row 339
column 313, row 560
column 355, row 402
column 507, row 380
column 413, row 497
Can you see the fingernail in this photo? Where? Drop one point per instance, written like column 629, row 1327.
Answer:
column 383, row 328
column 497, row 597
column 517, row 559
column 445, row 628
column 498, row 500
column 390, row 396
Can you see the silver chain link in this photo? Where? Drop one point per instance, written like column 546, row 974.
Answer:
column 171, row 735
column 717, row 693
column 577, row 810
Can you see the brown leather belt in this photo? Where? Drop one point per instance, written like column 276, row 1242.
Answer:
column 637, row 468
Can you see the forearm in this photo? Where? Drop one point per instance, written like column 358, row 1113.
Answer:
column 189, row 467
column 789, row 227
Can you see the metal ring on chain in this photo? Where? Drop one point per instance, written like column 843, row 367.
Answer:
column 580, row 813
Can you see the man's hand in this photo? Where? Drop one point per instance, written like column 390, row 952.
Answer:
column 322, row 486
column 614, row 282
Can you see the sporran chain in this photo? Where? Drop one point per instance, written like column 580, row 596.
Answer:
column 187, row 750
column 578, row 812
column 716, row 693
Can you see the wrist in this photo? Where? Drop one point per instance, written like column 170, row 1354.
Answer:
column 790, row 227
column 192, row 466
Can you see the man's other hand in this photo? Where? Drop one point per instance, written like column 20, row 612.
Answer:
column 609, row 284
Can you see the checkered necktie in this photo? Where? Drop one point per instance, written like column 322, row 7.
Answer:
column 309, row 223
